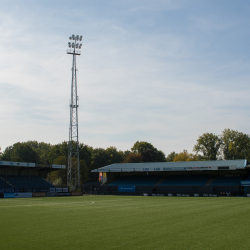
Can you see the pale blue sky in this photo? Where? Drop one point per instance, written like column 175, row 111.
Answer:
column 158, row 71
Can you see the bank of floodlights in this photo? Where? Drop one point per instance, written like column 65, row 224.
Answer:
column 75, row 45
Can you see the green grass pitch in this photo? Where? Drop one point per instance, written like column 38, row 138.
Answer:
column 125, row 222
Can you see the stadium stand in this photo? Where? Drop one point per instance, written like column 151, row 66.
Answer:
column 181, row 180
column 28, row 182
column 4, row 184
column 135, row 181
column 226, row 181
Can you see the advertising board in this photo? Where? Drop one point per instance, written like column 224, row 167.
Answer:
column 51, row 194
column 2, row 190
column 126, row 188
column 58, row 166
column 43, row 190
column 23, row 195
column 64, row 194
column 245, row 183
column 9, row 190
column 28, row 190
column 52, row 190
column 76, row 193
column 58, row 189
column 196, row 195
column 21, row 164
column 39, row 194
column 66, row 190
column 9, row 195
column 170, row 194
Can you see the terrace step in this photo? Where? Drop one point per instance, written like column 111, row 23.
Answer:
column 6, row 181
column 159, row 182
column 209, row 181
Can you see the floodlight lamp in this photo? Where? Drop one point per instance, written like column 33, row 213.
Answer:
column 77, row 37
column 73, row 37
column 77, row 45
column 80, row 38
column 70, row 38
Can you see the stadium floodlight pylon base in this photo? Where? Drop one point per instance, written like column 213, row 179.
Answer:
column 73, row 174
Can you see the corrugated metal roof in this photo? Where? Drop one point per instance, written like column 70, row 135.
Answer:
column 173, row 166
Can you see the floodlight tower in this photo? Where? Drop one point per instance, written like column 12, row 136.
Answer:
column 73, row 175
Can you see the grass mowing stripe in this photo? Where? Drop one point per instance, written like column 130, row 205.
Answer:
column 125, row 223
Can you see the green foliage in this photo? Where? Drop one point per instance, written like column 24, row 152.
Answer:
column 171, row 156
column 185, row 156
column 235, row 145
column 114, row 156
column 148, row 152
column 85, row 153
column 209, row 144
column 59, row 177
column 139, row 147
column 84, row 172
column 60, row 149
column 133, row 158
column 160, row 156
column 20, row 152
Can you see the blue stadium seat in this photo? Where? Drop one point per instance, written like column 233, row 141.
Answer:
column 4, row 184
column 183, row 180
column 135, row 181
column 26, row 182
column 226, row 181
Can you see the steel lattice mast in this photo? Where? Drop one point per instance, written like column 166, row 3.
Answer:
column 73, row 175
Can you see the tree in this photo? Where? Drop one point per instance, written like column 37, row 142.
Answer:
column 148, row 152
column 171, row 156
column 54, row 153
column 114, row 156
column 85, row 153
column 6, row 156
column 209, row 145
column 59, row 177
column 20, row 152
column 160, row 156
column 142, row 146
column 42, row 149
column 133, row 158
column 149, row 155
column 84, row 172
column 185, row 156
column 235, row 145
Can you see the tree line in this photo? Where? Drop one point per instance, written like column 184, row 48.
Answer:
column 231, row 144
column 90, row 158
